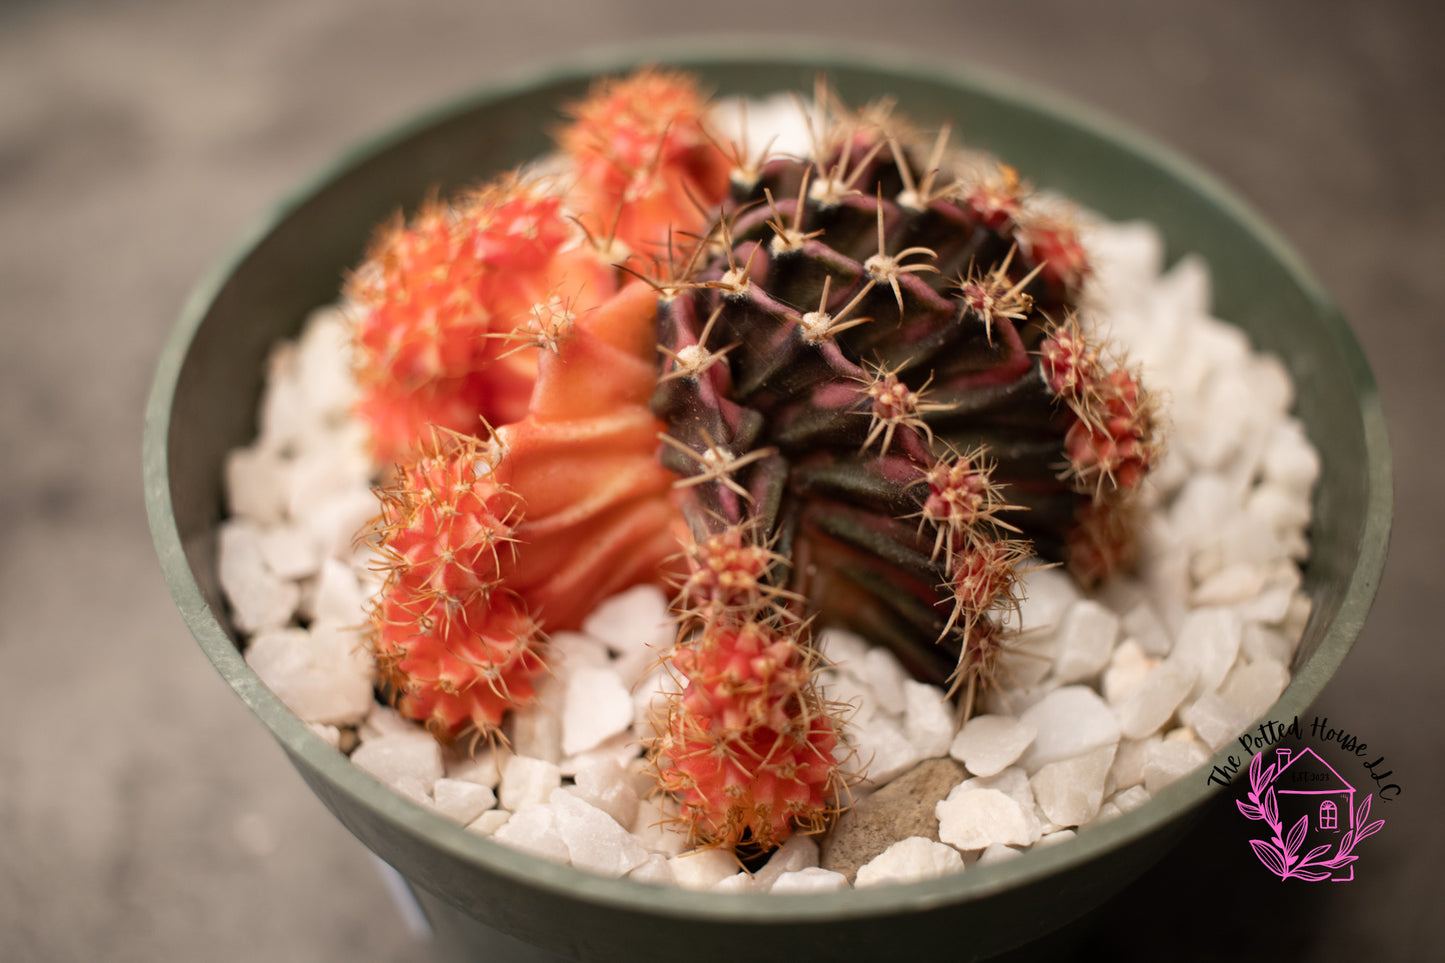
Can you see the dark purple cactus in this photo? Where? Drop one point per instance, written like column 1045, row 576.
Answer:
column 876, row 375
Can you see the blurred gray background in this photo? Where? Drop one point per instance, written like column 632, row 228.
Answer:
column 144, row 815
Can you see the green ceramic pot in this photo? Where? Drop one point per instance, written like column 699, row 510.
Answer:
column 209, row 379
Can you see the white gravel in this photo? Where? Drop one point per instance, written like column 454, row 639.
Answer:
column 1111, row 698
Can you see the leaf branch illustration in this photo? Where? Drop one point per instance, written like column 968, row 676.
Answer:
column 1278, row 854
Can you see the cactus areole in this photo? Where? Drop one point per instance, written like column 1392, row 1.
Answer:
column 855, row 389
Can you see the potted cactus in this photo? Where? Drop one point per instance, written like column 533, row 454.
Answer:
column 848, row 390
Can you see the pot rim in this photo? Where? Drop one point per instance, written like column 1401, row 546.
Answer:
column 1171, row 804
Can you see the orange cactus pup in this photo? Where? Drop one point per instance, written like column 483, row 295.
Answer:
column 748, row 747
column 456, row 647
column 646, row 166
column 449, row 303
column 488, row 542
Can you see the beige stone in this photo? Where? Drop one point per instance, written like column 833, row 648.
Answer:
column 900, row 809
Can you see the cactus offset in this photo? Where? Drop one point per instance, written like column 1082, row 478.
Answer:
column 447, row 301
column 748, row 745
column 456, row 649
column 646, row 167
column 488, row 542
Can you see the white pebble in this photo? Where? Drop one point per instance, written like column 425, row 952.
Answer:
column 280, row 426
column 1145, row 707
column 1027, row 660
column 533, row 829
column 256, row 484
column 1195, row 513
column 1130, row 799
column 1208, row 642
column 1047, row 595
column 736, row 883
column 462, row 801
column 260, row 599
column 1290, row 460
column 289, row 552
column 1283, row 510
column 1297, row 618
column 844, row 688
column 650, row 696
column 323, row 675
column 773, row 120
column 814, row 879
column 703, row 869
column 1070, row 792
column 1070, row 721
column 385, row 721
column 1086, row 638
column 1142, row 624
column 1246, row 693
column 339, row 597
column 489, row 822
column 596, row 706
column 480, row 768
column 1261, row 642
column 1012, row 781
column 634, row 624
column 797, row 853
column 1127, row 667
column 536, row 731
column 603, row 782
column 654, row 826
column 595, row 842
column 909, row 860
column 1055, row 837
column 927, row 719
column 1129, row 759
column 1234, row 585
column 1214, row 720
column 1270, row 606
column 1167, row 576
column 883, row 750
column 1237, row 540
column 884, row 674
column 997, row 853
column 843, row 648
column 527, row 781
column 323, row 365
column 410, row 760
column 336, row 521
column 1185, row 287
column 976, row 818
column 1107, row 811
column 318, row 477
column 330, row 734
column 988, row 744
column 1171, row 759
column 1124, row 259
column 656, row 870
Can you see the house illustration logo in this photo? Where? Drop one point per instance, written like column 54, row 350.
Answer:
column 1325, row 821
